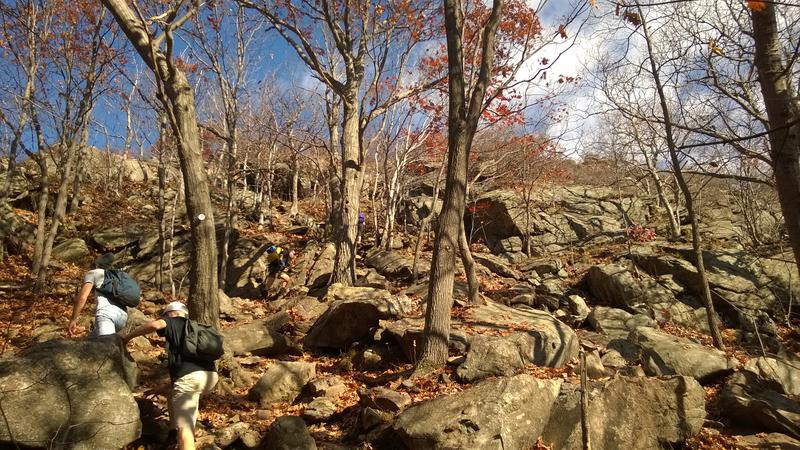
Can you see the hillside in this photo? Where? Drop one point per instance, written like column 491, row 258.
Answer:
column 331, row 366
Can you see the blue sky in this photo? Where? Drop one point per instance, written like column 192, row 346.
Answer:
column 271, row 58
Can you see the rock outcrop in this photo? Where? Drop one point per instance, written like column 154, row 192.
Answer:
column 488, row 415
column 69, row 394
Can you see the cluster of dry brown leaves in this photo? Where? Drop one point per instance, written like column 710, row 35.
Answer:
column 22, row 312
column 710, row 439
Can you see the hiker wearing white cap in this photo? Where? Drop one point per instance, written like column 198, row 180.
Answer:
column 109, row 316
column 189, row 377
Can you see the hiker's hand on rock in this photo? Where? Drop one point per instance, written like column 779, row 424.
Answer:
column 73, row 329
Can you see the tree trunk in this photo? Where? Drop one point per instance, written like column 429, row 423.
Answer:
column 713, row 320
column 161, row 212
column 230, row 209
column 178, row 100
column 60, row 209
column 270, row 178
column 446, row 245
column 12, row 162
column 423, row 228
column 343, row 270
column 674, row 225
column 77, row 180
column 295, row 184
column 469, row 266
column 462, row 124
column 203, row 301
column 783, row 112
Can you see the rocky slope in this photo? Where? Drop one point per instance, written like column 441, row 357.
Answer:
column 329, row 366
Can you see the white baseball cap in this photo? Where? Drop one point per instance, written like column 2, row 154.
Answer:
column 175, row 306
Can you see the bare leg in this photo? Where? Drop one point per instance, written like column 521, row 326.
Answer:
column 268, row 286
column 285, row 281
column 185, row 438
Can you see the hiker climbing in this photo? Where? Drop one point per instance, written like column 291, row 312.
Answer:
column 362, row 222
column 278, row 259
column 114, row 291
column 192, row 349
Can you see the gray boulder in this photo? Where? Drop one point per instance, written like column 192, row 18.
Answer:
column 784, row 373
column 407, row 334
column 739, row 282
column 548, row 342
column 72, row 250
column 15, row 232
column 247, row 268
column 748, row 400
column 577, row 308
column 288, row 433
column 384, row 399
column 330, row 386
column 117, row 238
column 318, row 269
column 70, row 394
column 615, row 322
column 497, row 265
column 258, row 338
column 616, row 286
column 664, row 354
column 304, row 311
column 371, row 278
column 394, row 265
column 494, row 355
column 488, row 416
column 319, row 410
column 283, row 382
column 415, row 209
column 510, row 245
column 774, row 441
column 352, row 314
column 238, row 431
column 629, row 413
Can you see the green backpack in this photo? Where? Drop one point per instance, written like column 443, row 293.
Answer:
column 201, row 342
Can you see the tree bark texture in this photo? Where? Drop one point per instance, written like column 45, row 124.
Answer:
column 473, row 284
column 462, row 124
column 343, row 270
column 783, row 112
column 178, row 99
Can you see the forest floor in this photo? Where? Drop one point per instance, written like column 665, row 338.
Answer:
column 22, row 313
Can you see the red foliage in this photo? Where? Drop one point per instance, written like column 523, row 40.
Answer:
column 639, row 233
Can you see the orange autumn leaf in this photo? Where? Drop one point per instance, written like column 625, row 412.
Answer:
column 714, row 47
column 562, row 31
column 756, row 5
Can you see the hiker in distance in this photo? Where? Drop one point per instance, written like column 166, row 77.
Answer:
column 278, row 260
column 114, row 291
column 190, row 376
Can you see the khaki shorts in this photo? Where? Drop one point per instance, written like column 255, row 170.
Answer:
column 184, row 399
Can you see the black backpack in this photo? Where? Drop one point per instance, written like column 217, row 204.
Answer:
column 120, row 288
column 201, row 342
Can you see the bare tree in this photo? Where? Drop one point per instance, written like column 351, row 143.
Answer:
column 215, row 34
column 176, row 95
column 24, row 26
column 80, row 59
column 783, row 110
column 464, row 113
column 666, row 119
column 366, row 38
